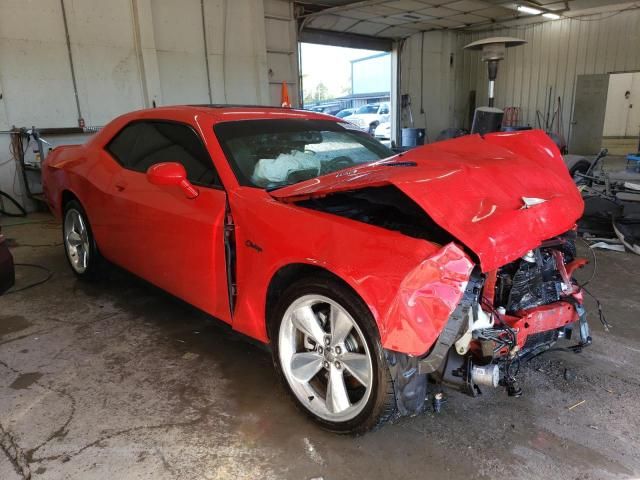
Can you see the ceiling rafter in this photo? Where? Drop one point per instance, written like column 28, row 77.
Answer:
column 401, row 18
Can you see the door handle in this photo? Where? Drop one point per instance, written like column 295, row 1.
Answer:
column 120, row 185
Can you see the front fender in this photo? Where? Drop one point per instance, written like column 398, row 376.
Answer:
column 426, row 298
column 411, row 286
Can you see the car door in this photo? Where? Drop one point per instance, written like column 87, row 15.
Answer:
column 174, row 242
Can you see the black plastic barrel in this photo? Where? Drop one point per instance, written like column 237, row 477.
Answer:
column 412, row 137
column 487, row 120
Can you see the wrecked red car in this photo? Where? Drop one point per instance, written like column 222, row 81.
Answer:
column 369, row 273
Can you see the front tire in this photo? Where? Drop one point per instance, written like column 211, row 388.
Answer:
column 327, row 351
column 79, row 243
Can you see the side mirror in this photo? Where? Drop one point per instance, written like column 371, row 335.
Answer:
column 171, row 173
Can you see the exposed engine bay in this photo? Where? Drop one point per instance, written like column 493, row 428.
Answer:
column 385, row 207
column 512, row 315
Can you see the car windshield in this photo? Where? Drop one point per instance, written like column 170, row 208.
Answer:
column 274, row 153
column 368, row 109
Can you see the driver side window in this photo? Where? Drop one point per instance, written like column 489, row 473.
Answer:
column 142, row 144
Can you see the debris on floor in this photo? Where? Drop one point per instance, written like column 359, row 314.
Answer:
column 616, row 247
column 576, row 405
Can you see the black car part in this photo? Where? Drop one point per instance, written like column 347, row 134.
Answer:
column 385, row 207
column 230, row 256
column 7, row 269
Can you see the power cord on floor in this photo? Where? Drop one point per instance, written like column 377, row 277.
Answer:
column 21, row 209
column 48, row 272
column 595, row 263
column 605, row 324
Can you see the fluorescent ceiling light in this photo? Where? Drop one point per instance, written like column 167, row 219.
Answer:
column 551, row 16
column 529, row 10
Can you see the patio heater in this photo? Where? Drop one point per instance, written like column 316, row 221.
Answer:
column 489, row 119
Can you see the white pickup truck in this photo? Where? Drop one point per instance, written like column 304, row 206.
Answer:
column 369, row 116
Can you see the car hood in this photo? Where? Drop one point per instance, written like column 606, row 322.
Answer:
column 500, row 195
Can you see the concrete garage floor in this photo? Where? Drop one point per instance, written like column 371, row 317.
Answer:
column 118, row 380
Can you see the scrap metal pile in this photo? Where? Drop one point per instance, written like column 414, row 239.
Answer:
column 612, row 204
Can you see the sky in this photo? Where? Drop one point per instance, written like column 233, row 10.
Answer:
column 329, row 65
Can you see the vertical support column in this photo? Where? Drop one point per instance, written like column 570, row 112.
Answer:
column 146, row 51
column 206, row 50
column 395, row 94
column 72, row 68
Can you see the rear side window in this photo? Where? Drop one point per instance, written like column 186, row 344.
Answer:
column 144, row 143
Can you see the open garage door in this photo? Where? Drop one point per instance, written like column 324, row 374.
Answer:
column 352, row 76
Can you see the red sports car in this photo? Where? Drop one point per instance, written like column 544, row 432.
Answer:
column 368, row 272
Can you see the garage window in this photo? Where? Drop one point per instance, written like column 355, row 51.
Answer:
column 142, row 144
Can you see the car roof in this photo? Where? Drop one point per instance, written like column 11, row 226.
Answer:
column 230, row 112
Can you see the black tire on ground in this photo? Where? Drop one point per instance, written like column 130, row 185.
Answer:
column 94, row 259
column 381, row 405
column 580, row 167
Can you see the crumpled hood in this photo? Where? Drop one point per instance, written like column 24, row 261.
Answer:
column 476, row 188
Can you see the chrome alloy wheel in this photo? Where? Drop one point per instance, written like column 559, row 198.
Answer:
column 76, row 240
column 325, row 358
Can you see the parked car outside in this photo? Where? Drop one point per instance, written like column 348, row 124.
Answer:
column 368, row 273
column 345, row 112
column 328, row 109
column 383, row 131
column 369, row 116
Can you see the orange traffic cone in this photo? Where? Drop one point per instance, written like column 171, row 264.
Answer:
column 285, row 96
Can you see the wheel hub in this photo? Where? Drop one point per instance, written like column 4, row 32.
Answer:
column 329, row 355
column 76, row 239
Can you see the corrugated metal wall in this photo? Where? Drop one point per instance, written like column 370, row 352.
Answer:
column 428, row 77
column 556, row 53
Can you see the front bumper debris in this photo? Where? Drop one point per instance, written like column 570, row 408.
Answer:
column 483, row 346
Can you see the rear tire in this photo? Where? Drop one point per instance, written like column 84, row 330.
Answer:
column 79, row 244
column 327, row 351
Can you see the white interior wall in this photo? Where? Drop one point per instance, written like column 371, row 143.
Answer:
column 557, row 52
column 622, row 114
column 432, row 90
column 282, row 49
column 128, row 54
column 179, row 41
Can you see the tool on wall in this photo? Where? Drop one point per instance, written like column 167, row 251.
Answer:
column 511, row 116
column 405, row 105
column 551, row 120
column 28, row 149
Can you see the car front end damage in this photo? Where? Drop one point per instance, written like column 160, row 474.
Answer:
column 499, row 289
column 502, row 319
